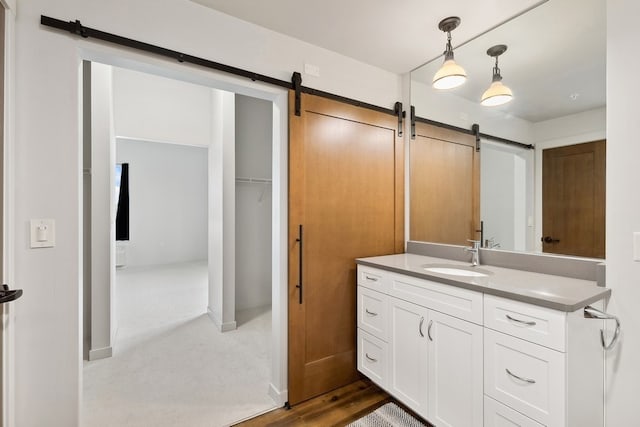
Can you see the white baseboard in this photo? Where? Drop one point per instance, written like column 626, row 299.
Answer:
column 222, row 327
column 100, row 353
column 280, row 397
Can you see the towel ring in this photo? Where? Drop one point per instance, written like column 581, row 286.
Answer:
column 594, row 313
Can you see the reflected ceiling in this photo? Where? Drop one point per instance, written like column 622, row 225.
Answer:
column 555, row 63
column 394, row 35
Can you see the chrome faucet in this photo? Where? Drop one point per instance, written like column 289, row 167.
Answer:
column 475, row 252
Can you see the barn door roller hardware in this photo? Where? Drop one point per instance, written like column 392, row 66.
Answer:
column 397, row 108
column 296, row 81
column 475, row 128
column 413, row 122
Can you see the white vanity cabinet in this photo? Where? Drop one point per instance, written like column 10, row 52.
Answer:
column 429, row 360
column 542, row 366
column 460, row 358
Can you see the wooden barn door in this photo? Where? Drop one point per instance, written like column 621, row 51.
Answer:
column 345, row 201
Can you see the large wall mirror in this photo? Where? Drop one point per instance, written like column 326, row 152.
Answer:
column 546, row 194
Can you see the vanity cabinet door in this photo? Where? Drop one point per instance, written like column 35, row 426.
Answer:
column 408, row 354
column 455, row 381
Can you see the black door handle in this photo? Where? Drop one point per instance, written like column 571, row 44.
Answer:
column 7, row 295
column 549, row 239
column 299, row 285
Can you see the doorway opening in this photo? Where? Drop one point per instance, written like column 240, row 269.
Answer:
column 196, row 266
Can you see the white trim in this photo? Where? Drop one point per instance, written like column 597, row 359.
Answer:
column 100, row 353
column 216, row 319
column 278, row 396
column 8, row 337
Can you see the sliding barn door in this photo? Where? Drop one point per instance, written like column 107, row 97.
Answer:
column 444, row 186
column 345, row 201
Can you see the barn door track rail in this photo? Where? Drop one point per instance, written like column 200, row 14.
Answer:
column 75, row 27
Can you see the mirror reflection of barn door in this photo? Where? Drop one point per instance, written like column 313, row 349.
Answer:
column 346, row 200
column 573, row 199
column 444, row 186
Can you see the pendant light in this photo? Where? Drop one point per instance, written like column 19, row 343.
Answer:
column 450, row 75
column 498, row 93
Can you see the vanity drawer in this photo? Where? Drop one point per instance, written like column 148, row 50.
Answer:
column 527, row 377
column 373, row 278
column 458, row 302
column 372, row 312
column 540, row 325
column 498, row 415
column 372, row 358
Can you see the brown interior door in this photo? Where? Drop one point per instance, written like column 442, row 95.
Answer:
column 445, row 186
column 573, row 199
column 345, row 201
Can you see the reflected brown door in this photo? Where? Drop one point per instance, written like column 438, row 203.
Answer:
column 573, row 200
column 445, row 186
column 346, row 197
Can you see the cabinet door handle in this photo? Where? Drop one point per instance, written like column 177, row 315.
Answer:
column 371, row 278
column 429, row 330
column 299, row 285
column 370, row 313
column 524, row 322
column 527, row 380
column 420, row 326
column 369, row 358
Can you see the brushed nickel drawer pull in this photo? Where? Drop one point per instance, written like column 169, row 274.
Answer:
column 370, row 313
column 420, row 326
column 524, row 322
column 371, row 359
column 527, row 380
column 429, row 330
column 373, row 279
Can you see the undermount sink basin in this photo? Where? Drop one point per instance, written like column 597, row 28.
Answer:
column 458, row 271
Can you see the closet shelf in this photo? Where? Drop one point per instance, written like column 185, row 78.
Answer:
column 253, row 180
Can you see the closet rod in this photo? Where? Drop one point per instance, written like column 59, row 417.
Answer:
column 471, row 132
column 76, row 27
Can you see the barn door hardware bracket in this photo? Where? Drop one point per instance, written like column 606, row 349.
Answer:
column 296, row 81
column 475, row 128
column 413, row 122
column 397, row 109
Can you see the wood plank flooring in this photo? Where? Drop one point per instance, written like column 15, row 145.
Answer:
column 336, row 408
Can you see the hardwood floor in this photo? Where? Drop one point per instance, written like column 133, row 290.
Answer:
column 336, row 408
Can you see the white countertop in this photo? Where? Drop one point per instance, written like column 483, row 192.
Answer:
column 556, row 292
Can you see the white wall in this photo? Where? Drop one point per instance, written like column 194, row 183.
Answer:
column 623, row 205
column 154, row 108
column 103, row 303
column 168, row 202
column 253, row 202
column 503, row 195
column 47, row 164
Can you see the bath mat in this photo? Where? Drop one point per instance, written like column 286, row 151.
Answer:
column 388, row 415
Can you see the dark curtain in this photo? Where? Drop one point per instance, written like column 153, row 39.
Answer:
column 122, row 214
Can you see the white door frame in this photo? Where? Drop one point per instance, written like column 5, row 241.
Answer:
column 7, row 396
column 279, row 98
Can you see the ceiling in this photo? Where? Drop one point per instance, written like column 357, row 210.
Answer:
column 556, row 52
column 397, row 35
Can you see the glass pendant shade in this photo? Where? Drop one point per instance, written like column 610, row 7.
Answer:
column 497, row 94
column 450, row 75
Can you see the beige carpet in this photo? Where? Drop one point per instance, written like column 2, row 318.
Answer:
column 171, row 367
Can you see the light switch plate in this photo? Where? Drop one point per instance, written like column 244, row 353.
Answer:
column 43, row 233
column 636, row 246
